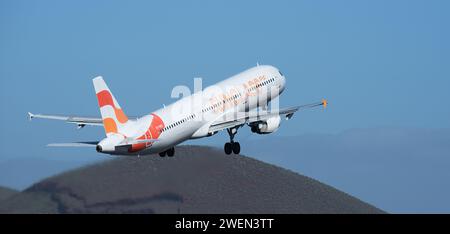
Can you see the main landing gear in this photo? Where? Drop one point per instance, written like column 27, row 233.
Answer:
column 232, row 146
column 170, row 152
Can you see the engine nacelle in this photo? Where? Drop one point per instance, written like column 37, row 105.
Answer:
column 268, row 126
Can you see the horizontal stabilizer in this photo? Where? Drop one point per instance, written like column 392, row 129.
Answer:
column 74, row 144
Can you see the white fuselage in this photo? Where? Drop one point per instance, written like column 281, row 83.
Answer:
column 191, row 116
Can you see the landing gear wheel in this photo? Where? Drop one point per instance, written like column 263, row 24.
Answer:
column 228, row 148
column 171, row 152
column 236, row 147
column 232, row 146
column 162, row 154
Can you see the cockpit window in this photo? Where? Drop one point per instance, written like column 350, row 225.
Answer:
column 280, row 73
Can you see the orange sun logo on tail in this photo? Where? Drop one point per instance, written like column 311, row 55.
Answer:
column 113, row 116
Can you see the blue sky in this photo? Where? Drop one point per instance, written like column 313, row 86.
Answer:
column 380, row 63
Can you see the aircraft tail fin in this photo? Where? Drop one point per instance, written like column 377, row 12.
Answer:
column 112, row 115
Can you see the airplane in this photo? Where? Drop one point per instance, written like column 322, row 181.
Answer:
column 241, row 100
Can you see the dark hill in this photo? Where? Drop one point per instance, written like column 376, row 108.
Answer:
column 197, row 180
column 6, row 193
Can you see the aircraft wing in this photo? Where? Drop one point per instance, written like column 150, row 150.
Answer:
column 250, row 117
column 79, row 120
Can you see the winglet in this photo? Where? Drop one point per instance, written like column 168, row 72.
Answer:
column 30, row 116
column 324, row 103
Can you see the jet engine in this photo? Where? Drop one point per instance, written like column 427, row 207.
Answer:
column 268, row 126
